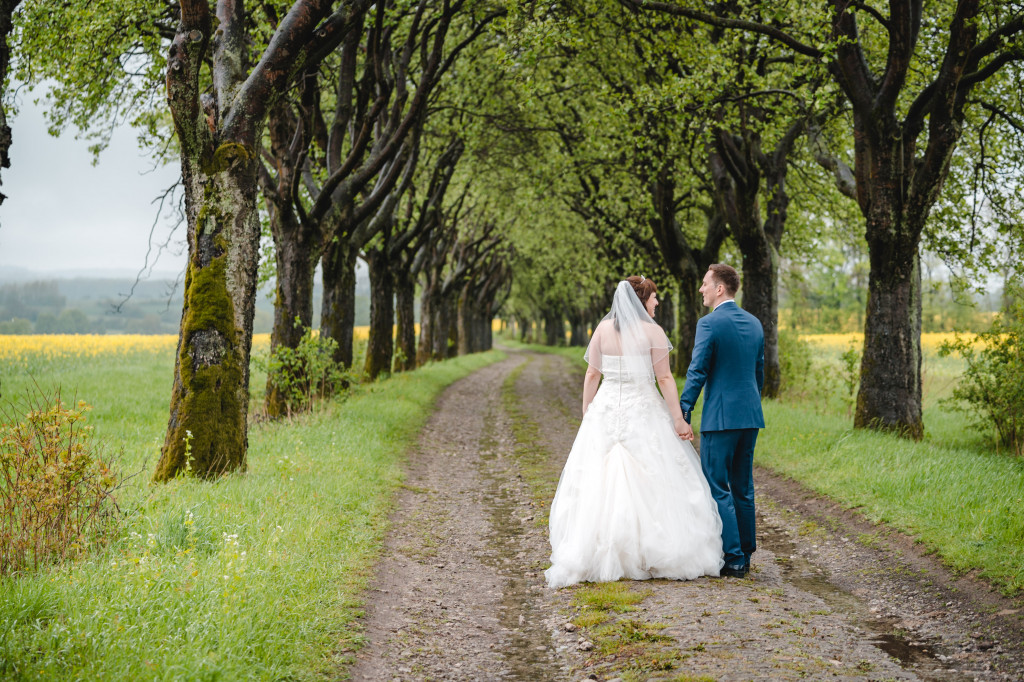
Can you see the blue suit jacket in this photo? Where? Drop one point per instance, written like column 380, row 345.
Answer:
column 728, row 362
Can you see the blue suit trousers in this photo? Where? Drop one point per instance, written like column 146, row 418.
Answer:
column 727, row 458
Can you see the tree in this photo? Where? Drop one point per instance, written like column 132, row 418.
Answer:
column 909, row 77
column 218, row 124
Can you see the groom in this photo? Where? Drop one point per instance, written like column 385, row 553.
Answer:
column 728, row 358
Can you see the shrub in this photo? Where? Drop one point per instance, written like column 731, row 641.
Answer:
column 802, row 380
column 850, row 375
column 794, row 363
column 308, row 373
column 991, row 390
column 56, row 492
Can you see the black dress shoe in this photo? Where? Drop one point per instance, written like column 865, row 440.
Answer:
column 734, row 571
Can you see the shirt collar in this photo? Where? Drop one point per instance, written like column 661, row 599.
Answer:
column 728, row 300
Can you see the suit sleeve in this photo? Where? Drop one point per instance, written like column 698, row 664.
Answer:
column 697, row 374
column 760, row 368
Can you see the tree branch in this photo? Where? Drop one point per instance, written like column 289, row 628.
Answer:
column 724, row 22
column 273, row 71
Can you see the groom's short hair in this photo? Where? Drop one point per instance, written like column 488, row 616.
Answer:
column 726, row 276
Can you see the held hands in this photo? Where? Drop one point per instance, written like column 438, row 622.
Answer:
column 683, row 430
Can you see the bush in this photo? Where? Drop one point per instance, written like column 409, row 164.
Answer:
column 801, row 380
column 307, row 374
column 991, row 390
column 56, row 493
column 16, row 325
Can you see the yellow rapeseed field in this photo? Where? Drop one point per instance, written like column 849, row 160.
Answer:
column 930, row 342
column 62, row 346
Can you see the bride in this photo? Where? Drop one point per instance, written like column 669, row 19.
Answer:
column 632, row 501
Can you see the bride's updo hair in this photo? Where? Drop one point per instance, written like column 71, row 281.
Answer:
column 643, row 287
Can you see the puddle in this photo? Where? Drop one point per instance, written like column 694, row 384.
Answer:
column 527, row 648
column 917, row 657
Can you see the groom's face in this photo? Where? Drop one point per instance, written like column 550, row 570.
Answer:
column 710, row 290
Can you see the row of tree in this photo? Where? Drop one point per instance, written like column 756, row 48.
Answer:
column 750, row 131
column 525, row 156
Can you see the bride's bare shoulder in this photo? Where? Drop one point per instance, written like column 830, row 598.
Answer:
column 655, row 332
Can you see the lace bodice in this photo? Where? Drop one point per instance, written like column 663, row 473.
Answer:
column 625, row 394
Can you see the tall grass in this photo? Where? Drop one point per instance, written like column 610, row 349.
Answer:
column 255, row 576
column 953, row 490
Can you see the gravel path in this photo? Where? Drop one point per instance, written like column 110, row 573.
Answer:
column 459, row 591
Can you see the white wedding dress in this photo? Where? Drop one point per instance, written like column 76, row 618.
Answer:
column 632, row 501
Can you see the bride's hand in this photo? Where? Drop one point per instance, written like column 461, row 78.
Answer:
column 683, row 430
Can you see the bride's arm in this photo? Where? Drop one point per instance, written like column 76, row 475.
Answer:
column 667, row 384
column 590, row 383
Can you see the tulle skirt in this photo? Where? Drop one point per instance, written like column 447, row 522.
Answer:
column 632, row 501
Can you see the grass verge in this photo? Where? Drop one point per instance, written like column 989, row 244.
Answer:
column 963, row 502
column 255, row 576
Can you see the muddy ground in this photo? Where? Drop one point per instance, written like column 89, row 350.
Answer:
column 459, row 592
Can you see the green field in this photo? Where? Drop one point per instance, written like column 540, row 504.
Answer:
column 256, row 576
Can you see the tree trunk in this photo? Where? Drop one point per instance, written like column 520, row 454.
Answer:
column 761, row 299
column 464, row 323
column 405, row 306
column 296, row 248
column 7, row 8
column 738, row 167
column 525, row 330
column 338, row 309
column 206, row 432
column 441, row 321
column 577, row 329
column 380, row 346
column 691, row 307
column 427, row 324
column 685, row 262
column 452, row 347
column 554, row 329
column 293, row 301
column 890, row 376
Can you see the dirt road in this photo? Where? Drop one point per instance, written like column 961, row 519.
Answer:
column 459, row 592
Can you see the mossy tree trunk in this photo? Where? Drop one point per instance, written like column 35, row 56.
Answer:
column 466, row 323
column 426, row 341
column 206, row 432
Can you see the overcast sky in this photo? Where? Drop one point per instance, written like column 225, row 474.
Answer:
column 62, row 213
